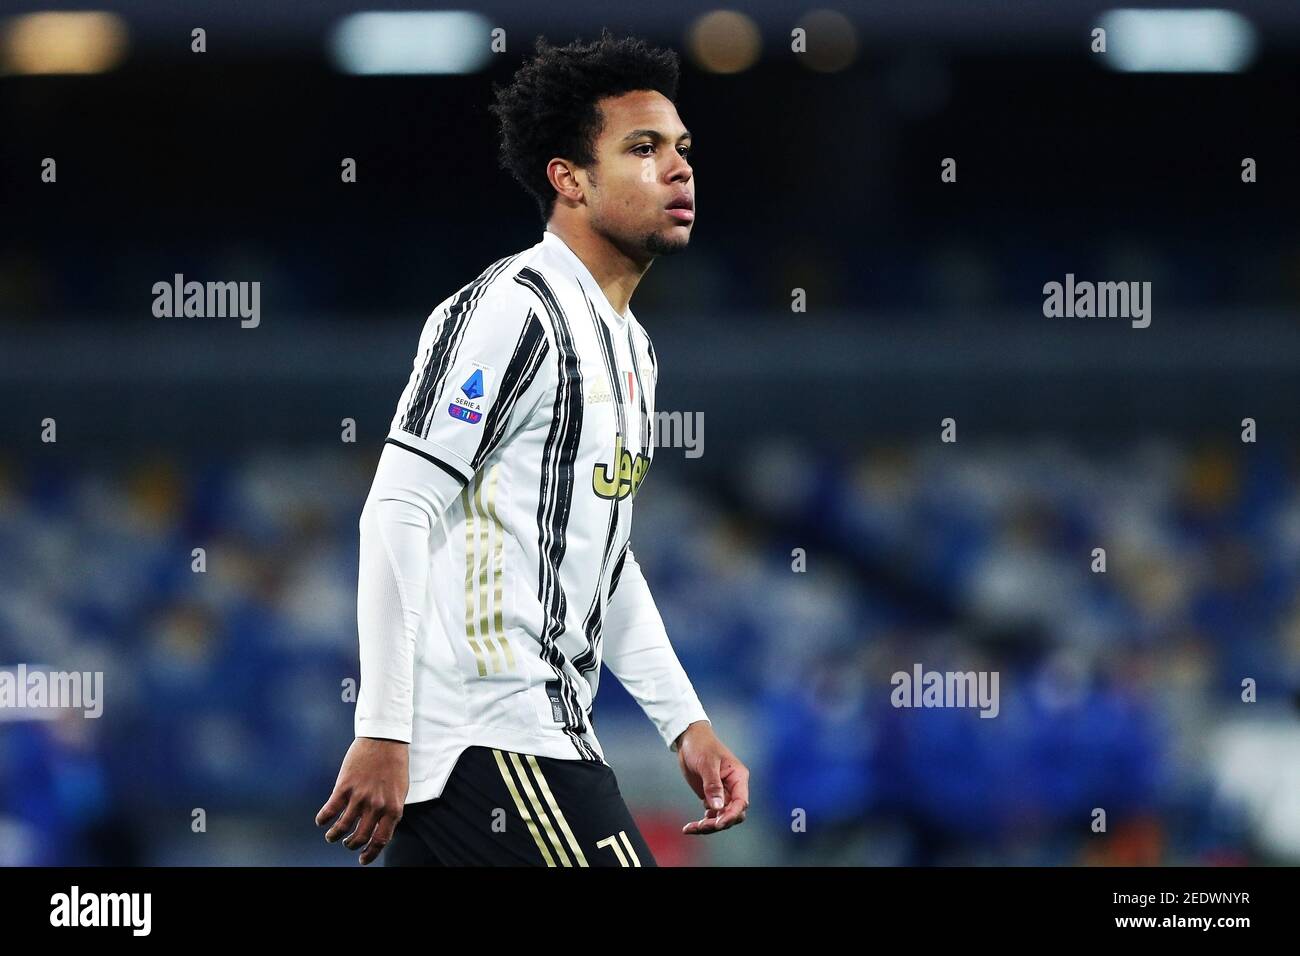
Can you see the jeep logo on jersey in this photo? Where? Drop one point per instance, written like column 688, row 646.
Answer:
column 623, row 479
column 465, row 406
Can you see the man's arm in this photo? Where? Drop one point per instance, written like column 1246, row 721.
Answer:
column 406, row 500
column 638, row 652
column 464, row 398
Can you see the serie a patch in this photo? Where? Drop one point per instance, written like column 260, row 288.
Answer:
column 470, row 401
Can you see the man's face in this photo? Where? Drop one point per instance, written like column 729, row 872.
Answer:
column 641, row 192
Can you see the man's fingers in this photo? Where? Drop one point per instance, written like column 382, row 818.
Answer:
column 382, row 836
column 738, row 791
column 361, row 835
column 706, row 824
column 715, row 794
column 737, row 803
column 738, row 782
column 345, row 823
column 333, row 806
column 701, row 826
column 733, row 814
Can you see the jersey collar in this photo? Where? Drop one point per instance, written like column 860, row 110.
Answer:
column 585, row 278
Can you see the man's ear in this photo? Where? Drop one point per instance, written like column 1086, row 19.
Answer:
column 564, row 180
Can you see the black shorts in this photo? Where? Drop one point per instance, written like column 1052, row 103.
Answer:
column 501, row 808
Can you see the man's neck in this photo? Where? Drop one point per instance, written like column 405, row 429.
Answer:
column 615, row 273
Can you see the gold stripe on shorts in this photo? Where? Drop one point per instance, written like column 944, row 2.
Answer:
column 555, row 810
column 523, row 810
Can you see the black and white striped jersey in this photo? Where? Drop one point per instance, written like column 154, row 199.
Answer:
column 522, row 436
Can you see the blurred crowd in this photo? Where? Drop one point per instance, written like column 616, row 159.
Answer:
column 792, row 589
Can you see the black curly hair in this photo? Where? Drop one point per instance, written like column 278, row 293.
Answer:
column 549, row 107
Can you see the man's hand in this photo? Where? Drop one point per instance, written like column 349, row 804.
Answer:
column 368, row 796
column 717, row 777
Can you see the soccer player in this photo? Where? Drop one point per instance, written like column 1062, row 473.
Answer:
column 495, row 568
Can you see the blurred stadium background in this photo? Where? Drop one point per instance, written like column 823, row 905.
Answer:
column 815, row 171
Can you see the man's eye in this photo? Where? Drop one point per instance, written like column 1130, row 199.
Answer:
column 649, row 146
column 684, row 150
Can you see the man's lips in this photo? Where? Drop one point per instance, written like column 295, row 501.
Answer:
column 682, row 208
